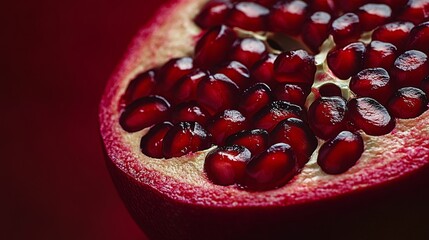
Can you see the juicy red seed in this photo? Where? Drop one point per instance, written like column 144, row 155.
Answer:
column 214, row 13
column 396, row 5
column 226, row 165
column 227, row 124
column 416, row 11
column 269, row 116
column 419, row 38
column 254, row 99
column 214, row 46
column 288, row 16
column 410, row 68
column 142, row 85
column 408, row 102
column 347, row 61
column 346, row 29
column 173, row 71
column 372, row 15
column 316, row 30
column 152, row 142
column 330, row 90
column 298, row 135
column 263, row 70
column 189, row 112
column 249, row 16
column 272, row 168
column 340, row 153
column 143, row 113
column 291, row 93
column 323, row 5
column 348, row 6
column 327, row 116
column 248, row 51
column 295, row 67
column 370, row 116
column 425, row 85
column 395, row 33
column 186, row 87
column 255, row 140
column 380, row 54
column 217, row 93
column 184, row 138
column 374, row 83
column 237, row 72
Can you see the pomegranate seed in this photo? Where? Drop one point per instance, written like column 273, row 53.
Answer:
column 372, row 15
column 323, row 5
column 316, row 30
column 249, row 16
column 172, row 72
column 395, row 33
column 291, row 93
column 217, row 93
column 248, row 51
column 142, row 85
column 226, row 124
column 339, row 154
column 186, row 87
column 374, row 83
column 370, row 116
column 263, row 70
column 408, row 102
column 330, row 90
column 346, row 29
column 410, row 68
column 184, row 138
column 349, row 6
column 226, row 165
column 295, row 67
column 189, row 112
column 152, row 142
column 214, row 46
column 271, row 169
column 143, row 113
column 269, row 116
column 298, row 135
column 416, row 11
column 255, row 140
column 327, row 116
column 380, row 54
column 237, row 72
column 288, row 16
column 347, row 61
column 425, row 85
column 214, row 13
column 254, row 99
column 419, row 38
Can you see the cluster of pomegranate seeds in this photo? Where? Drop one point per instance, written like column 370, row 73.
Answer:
column 264, row 111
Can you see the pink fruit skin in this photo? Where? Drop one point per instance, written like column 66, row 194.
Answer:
column 384, row 208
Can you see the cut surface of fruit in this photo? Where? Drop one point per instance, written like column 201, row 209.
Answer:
column 209, row 118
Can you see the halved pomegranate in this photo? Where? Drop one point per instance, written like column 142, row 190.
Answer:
column 210, row 133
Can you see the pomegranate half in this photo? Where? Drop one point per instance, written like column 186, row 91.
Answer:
column 174, row 198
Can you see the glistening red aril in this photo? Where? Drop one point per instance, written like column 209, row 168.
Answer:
column 237, row 72
column 186, row 87
column 372, row 82
column 189, row 112
column 248, row 51
column 316, row 30
column 380, row 54
column 214, row 13
column 263, row 70
column 346, row 29
column 269, row 116
column 152, row 142
column 415, row 11
column 249, row 16
column 225, row 124
column 172, row 72
column 347, row 61
column 340, row 153
column 292, row 93
column 142, row 85
column 419, row 38
column 295, row 67
column 395, row 33
column 271, row 169
column 254, row 99
column 408, row 102
column 410, row 68
column 288, row 16
column 226, row 165
column 372, row 15
column 255, row 140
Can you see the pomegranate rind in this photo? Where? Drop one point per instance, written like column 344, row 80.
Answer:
column 155, row 190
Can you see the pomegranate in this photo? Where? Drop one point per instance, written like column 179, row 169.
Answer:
column 212, row 133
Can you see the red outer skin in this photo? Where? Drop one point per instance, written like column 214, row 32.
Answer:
column 168, row 209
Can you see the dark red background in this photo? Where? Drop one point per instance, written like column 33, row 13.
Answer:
column 55, row 59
